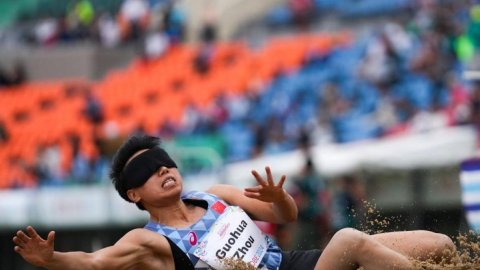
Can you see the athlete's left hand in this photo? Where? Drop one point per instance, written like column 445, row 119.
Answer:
column 267, row 190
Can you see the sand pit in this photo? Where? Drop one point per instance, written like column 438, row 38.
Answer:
column 467, row 256
column 237, row 264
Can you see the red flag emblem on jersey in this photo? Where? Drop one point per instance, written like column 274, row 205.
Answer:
column 218, row 207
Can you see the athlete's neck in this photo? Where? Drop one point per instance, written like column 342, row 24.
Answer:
column 179, row 214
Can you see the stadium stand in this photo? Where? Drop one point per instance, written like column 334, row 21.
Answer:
column 382, row 83
column 146, row 94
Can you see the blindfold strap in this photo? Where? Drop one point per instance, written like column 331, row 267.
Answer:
column 143, row 166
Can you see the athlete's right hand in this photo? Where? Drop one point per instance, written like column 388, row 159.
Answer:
column 33, row 248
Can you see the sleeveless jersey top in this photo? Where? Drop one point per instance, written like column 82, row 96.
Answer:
column 187, row 238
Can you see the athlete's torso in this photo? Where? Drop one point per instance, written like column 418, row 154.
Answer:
column 187, row 238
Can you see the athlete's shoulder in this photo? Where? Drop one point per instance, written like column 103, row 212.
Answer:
column 227, row 193
column 146, row 238
column 199, row 195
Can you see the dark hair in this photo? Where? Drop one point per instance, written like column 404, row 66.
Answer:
column 132, row 145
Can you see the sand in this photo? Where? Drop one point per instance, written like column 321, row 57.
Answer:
column 467, row 256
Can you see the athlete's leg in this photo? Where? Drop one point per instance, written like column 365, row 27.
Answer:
column 349, row 249
column 421, row 245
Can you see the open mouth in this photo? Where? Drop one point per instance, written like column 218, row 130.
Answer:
column 169, row 182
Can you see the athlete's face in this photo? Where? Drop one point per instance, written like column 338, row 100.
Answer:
column 162, row 188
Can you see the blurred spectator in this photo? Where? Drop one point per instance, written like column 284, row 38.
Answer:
column 4, row 80
column 276, row 141
column 423, row 16
column 93, row 108
column 80, row 18
column 304, row 143
column 473, row 27
column 73, row 89
column 381, row 63
column 4, row 136
column 473, row 36
column 107, row 139
column 167, row 130
column 217, row 112
column 208, row 36
column 174, row 22
column 348, row 205
column 108, row 31
column 329, row 99
column 192, row 120
column 46, row 31
column 398, row 40
column 155, row 44
column 202, row 60
column 260, row 139
column 309, row 192
column 386, row 112
column 434, row 60
column 209, row 29
column 21, row 174
column 134, row 15
column 208, row 33
column 110, row 131
column 14, row 76
column 240, row 107
column 80, row 170
column 19, row 74
column 48, row 165
column 138, row 130
column 437, row 53
column 465, row 49
column 302, row 11
column 458, row 109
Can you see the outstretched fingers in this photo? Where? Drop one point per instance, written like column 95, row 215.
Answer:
column 23, row 237
column 254, row 189
column 253, row 195
column 259, row 178
column 50, row 238
column 32, row 233
column 31, row 239
column 19, row 243
column 269, row 176
column 253, row 192
column 18, row 249
column 33, row 248
column 282, row 181
column 270, row 182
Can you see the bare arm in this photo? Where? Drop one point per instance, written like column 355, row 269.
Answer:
column 267, row 201
column 130, row 252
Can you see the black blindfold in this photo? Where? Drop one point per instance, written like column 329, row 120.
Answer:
column 143, row 166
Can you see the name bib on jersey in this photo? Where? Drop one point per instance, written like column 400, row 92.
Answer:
column 233, row 236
